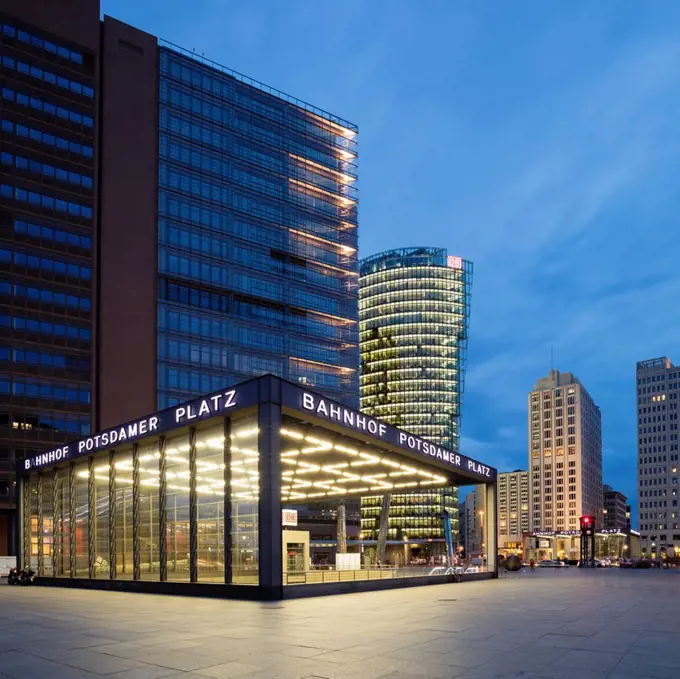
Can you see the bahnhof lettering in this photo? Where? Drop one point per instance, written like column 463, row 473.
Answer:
column 210, row 497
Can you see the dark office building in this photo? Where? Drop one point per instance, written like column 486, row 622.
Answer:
column 616, row 514
column 48, row 225
column 169, row 227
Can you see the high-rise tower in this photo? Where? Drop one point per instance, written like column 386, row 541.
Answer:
column 658, row 392
column 414, row 307
column 565, row 457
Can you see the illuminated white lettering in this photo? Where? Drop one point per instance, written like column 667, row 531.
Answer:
column 321, row 408
column 382, row 430
column 27, row 464
column 105, row 438
column 81, row 446
column 180, row 413
column 204, row 409
column 121, row 434
column 142, row 426
column 113, row 436
column 402, row 438
column 372, row 427
column 132, row 429
column 191, row 415
column 231, row 399
column 307, row 401
column 348, row 418
column 360, row 421
column 153, row 423
column 335, row 411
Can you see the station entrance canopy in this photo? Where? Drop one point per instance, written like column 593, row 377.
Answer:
column 193, row 495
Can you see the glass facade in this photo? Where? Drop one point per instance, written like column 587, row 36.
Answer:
column 47, row 197
column 414, row 306
column 257, row 237
column 139, row 512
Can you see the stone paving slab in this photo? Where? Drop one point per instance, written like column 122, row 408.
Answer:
column 604, row 624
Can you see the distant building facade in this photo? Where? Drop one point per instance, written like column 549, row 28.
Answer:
column 614, row 512
column 658, row 392
column 514, row 509
column 472, row 515
column 565, row 457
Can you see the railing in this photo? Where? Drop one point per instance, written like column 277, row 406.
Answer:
column 315, row 577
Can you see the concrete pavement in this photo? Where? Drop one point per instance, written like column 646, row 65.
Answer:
column 551, row 624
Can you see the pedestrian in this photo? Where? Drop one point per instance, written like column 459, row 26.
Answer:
column 532, row 563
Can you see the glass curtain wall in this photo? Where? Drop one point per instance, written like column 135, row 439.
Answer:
column 210, row 445
column 149, row 516
column 178, row 489
column 123, row 510
column 414, row 307
column 62, row 524
column 82, row 520
column 101, row 520
column 245, row 481
column 109, row 501
column 47, row 525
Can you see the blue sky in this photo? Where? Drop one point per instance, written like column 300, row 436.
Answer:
column 540, row 140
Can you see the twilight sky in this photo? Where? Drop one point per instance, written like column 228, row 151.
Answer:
column 540, row 140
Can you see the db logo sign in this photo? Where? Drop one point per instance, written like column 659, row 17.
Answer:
column 289, row 517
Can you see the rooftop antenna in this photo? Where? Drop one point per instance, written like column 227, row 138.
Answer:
column 552, row 367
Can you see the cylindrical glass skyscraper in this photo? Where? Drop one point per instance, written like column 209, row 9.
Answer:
column 414, row 306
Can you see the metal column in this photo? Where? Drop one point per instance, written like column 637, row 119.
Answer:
column 41, row 538
column 135, row 513
column 57, row 526
column 342, row 528
column 72, row 518
column 112, row 514
column 384, row 527
column 269, row 514
column 25, row 490
column 228, row 571
column 193, row 509
column 162, row 510
column 92, row 515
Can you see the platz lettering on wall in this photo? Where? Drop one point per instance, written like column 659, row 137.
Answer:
column 207, row 407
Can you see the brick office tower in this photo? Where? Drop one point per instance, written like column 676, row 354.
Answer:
column 565, row 458
column 169, row 227
column 658, row 390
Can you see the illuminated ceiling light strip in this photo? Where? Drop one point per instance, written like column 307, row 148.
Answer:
column 345, row 449
column 291, row 433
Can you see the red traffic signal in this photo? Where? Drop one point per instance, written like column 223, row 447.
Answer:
column 587, row 521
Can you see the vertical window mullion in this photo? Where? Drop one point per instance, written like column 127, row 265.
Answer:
column 162, row 510
column 227, row 501
column 136, row 555
column 41, row 532
column 56, row 526
column 112, row 515
column 72, row 518
column 193, row 507
column 92, row 516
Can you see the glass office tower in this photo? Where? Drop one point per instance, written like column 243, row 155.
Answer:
column 414, row 306
column 257, row 236
column 47, row 223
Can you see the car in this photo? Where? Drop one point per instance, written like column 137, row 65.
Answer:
column 552, row 563
column 626, row 563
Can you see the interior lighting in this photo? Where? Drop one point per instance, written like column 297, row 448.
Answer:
column 345, row 449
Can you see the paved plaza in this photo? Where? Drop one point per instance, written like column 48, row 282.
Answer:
column 562, row 624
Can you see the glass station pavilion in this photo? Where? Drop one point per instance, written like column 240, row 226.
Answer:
column 200, row 498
